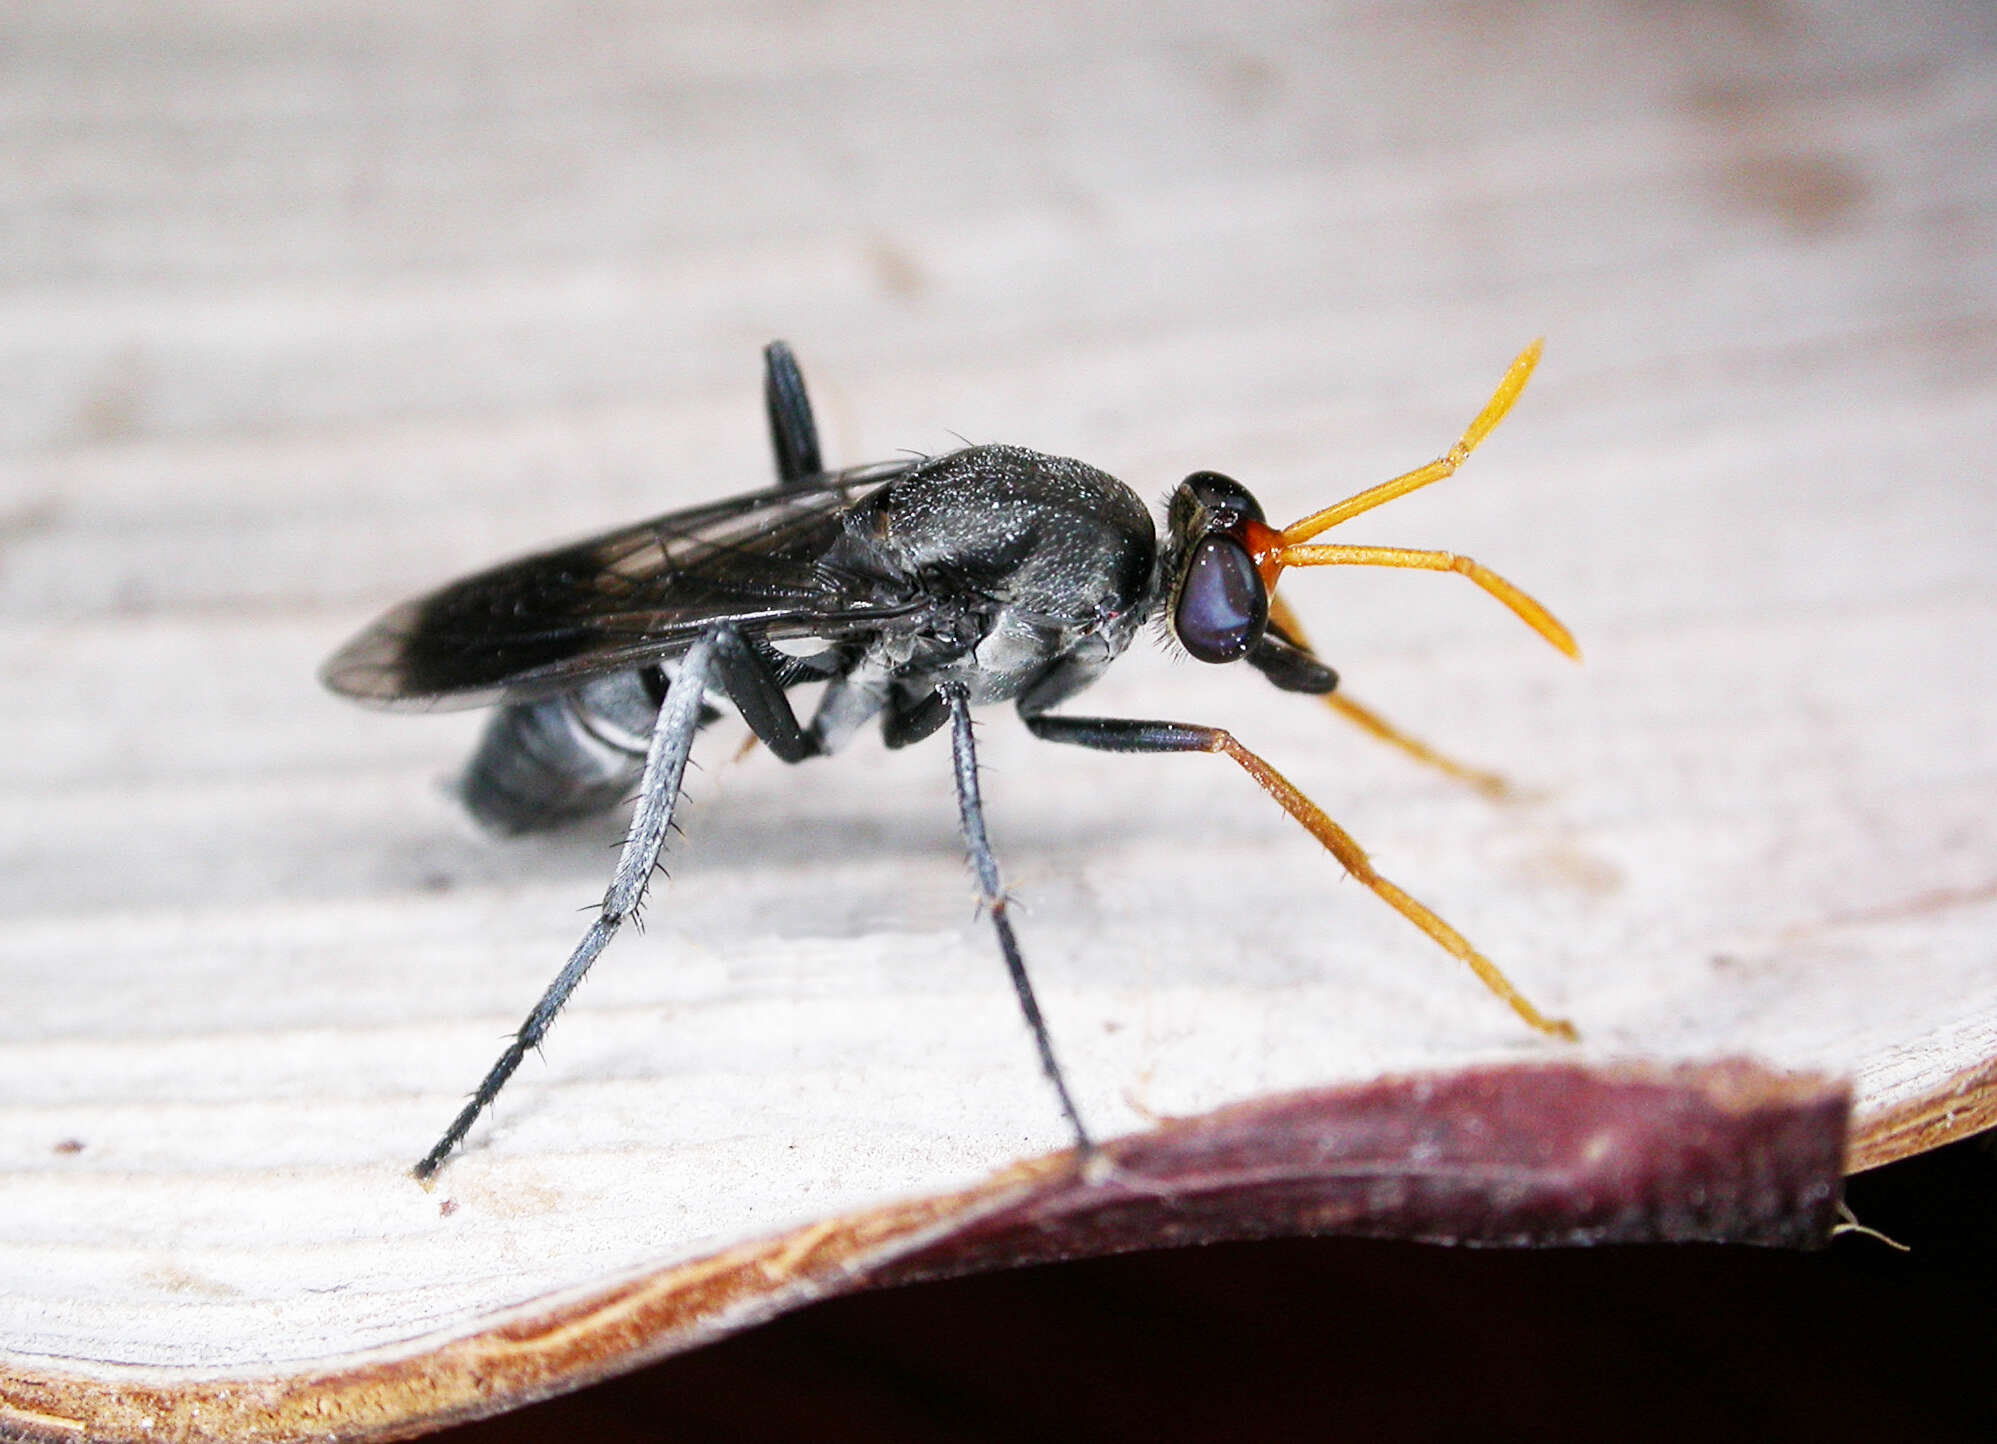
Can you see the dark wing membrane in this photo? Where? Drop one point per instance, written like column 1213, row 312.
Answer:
column 772, row 562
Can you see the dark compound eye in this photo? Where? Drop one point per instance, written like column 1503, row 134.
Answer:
column 1222, row 493
column 1223, row 608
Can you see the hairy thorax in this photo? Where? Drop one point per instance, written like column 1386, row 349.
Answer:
column 1026, row 559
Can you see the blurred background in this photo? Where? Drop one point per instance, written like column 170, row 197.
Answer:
column 304, row 307
column 373, row 248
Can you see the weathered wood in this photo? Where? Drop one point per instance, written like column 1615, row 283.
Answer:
column 1516, row 1155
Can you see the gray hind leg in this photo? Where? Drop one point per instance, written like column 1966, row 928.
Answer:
column 665, row 765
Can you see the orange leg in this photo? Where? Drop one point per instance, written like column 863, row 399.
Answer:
column 1119, row 734
column 1340, row 844
column 1493, row 786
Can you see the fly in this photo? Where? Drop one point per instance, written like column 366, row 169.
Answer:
column 914, row 590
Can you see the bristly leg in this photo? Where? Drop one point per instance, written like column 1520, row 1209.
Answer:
column 971, row 815
column 1124, row 734
column 665, row 766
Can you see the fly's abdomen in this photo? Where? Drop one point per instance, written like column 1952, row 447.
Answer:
column 542, row 764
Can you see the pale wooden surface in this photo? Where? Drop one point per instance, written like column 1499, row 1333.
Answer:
column 306, row 309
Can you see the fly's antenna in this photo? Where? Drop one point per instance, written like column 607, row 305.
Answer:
column 1274, row 550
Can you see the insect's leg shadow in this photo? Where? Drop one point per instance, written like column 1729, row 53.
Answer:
column 793, row 433
column 1127, row 734
column 665, row 766
column 971, row 814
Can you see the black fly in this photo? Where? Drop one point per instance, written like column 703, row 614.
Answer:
column 914, row 590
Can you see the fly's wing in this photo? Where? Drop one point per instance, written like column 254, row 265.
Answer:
column 768, row 561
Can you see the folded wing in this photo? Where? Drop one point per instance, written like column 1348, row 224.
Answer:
column 776, row 563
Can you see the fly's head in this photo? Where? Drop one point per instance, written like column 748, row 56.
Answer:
column 1220, row 563
column 1217, row 557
